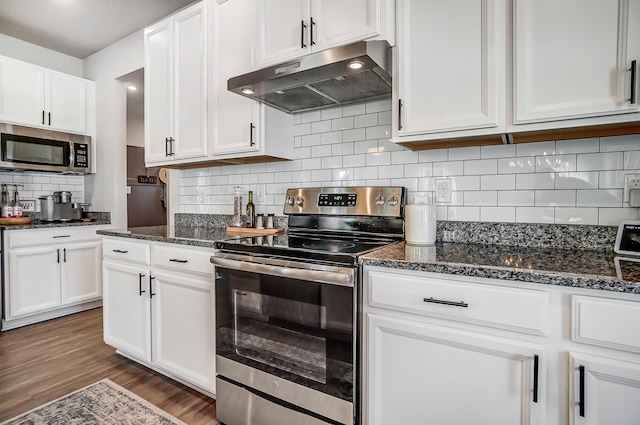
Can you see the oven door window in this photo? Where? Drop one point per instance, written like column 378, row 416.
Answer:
column 297, row 330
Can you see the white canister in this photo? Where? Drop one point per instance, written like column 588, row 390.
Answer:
column 420, row 222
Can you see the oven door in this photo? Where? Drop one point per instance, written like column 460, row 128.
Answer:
column 285, row 331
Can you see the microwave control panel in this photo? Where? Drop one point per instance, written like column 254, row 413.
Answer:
column 81, row 159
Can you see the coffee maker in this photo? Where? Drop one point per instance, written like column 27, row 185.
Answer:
column 58, row 207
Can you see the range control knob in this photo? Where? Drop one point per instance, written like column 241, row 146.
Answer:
column 299, row 201
column 380, row 200
column 393, row 201
column 290, row 200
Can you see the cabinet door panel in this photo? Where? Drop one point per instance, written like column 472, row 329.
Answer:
column 340, row 22
column 572, row 60
column 127, row 315
column 157, row 90
column 450, row 67
column 34, row 282
column 190, row 88
column 237, row 119
column 611, row 391
column 183, row 327
column 81, row 275
column 21, row 93
column 431, row 367
column 66, row 102
column 281, row 33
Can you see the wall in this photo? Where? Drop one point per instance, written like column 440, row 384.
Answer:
column 135, row 129
column 563, row 182
column 108, row 186
column 37, row 55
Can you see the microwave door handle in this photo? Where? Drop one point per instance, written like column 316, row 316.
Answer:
column 343, row 278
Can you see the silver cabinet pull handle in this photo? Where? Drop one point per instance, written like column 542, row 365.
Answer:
column 445, row 302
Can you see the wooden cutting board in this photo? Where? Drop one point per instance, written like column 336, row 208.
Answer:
column 249, row 231
column 15, row 220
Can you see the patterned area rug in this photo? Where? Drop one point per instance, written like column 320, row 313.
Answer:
column 103, row 403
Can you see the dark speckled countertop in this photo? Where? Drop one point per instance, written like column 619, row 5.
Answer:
column 183, row 235
column 574, row 268
column 46, row 224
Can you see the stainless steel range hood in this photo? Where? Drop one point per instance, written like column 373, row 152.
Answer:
column 345, row 74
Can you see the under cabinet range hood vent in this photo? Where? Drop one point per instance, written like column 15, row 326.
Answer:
column 345, row 74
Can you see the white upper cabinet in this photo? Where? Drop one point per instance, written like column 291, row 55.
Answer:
column 449, row 69
column 573, row 60
column 176, row 88
column 288, row 29
column 37, row 97
column 241, row 127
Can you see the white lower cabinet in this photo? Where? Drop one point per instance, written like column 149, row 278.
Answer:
column 159, row 308
column 445, row 349
column 49, row 273
column 423, row 369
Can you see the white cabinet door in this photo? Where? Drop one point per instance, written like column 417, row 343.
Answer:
column 157, row 93
column 66, row 102
column 238, row 120
column 81, row 273
column 288, row 29
column 450, row 64
column 183, row 327
column 127, row 308
column 283, row 30
column 338, row 22
column 21, row 93
column 422, row 374
column 603, row 391
column 572, row 60
column 33, row 280
column 176, row 87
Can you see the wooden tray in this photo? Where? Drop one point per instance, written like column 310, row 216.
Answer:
column 248, row 231
column 15, row 220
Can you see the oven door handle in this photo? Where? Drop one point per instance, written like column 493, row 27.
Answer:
column 343, row 277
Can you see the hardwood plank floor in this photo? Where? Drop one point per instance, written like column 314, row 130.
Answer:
column 41, row 362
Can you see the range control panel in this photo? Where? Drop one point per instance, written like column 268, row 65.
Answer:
column 387, row 201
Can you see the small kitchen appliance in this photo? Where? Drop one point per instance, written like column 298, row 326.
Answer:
column 58, row 207
column 287, row 307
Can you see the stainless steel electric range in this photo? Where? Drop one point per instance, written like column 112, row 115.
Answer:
column 287, row 308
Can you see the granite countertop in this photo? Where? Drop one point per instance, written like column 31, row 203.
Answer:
column 184, row 235
column 601, row 270
column 37, row 224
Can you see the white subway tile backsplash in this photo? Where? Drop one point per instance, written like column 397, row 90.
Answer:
column 555, row 163
column 446, row 169
column 555, row 198
column 620, row 143
column 536, row 149
column 600, row 161
column 498, row 182
column 516, row 165
column 534, row 181
column 464, row 153
column 516, row 198
column 480, row 166
column 599, row 198
column 576, row 216
column 572, row 146
column 497, row 151
column 584, row 180
column 535, row 215
column 498, row 214
column 567, row 181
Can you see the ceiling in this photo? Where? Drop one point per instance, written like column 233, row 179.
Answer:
column 80, row 28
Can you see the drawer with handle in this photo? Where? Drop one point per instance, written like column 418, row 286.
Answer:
column 126, row 250
column 191, row 260
column 20, row 238
column 430, row 294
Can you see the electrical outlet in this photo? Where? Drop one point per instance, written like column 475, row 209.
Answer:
column 443, row 191
column 631, row 181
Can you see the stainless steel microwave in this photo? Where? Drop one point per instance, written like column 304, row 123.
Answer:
column 32, row 149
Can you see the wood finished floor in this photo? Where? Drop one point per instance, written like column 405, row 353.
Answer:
column 41, row 362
